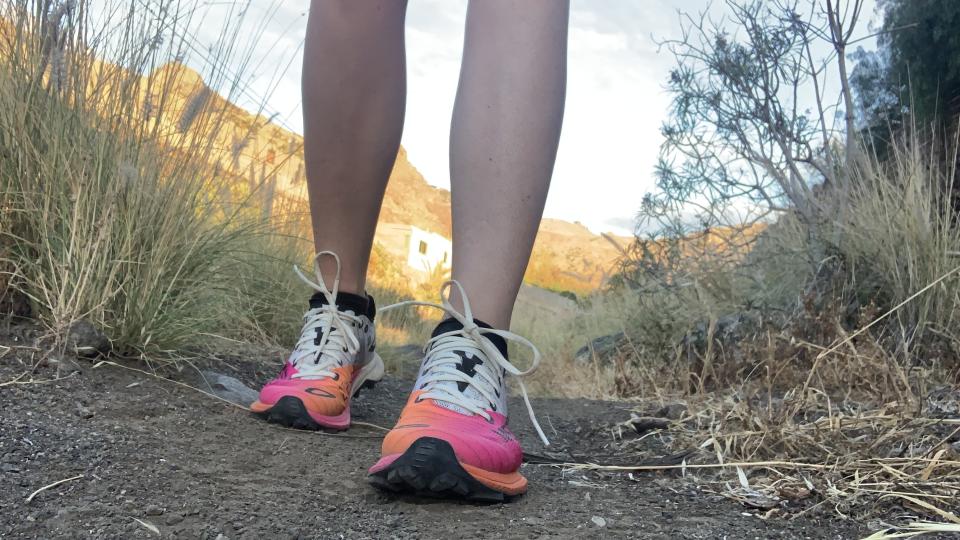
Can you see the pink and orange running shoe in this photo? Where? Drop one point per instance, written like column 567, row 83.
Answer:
column 334, row 358
column 452, row 438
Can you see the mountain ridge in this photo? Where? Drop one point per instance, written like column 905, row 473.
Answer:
column 566, row 255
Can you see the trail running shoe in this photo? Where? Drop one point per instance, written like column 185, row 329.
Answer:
column 452, row 438
column 334, row 358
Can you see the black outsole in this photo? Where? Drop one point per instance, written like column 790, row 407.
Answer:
column 290, row 412
column 429, row 468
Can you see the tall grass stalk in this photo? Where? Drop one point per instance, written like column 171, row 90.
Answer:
column 896, row 234
column 900, row 233
column 111, row 208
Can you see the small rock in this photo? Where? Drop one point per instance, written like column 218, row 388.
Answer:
column 84, row 412
column 727, row 330
column 643, row 424
column 153, row 510
column 599, row 521
column 222, row 536
column 173, row 519
column 87, row 340
column 9, row 468
column 673, row 411
column 602, row 349
column 229, row 388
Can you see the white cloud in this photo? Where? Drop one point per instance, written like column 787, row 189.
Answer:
column 615, row 106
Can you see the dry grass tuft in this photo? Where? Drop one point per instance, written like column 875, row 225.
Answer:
column 120, row 203
column 883, row 445
column 815, row 371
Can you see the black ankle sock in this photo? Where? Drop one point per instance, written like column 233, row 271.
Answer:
column 361, row 305
column 451, row 324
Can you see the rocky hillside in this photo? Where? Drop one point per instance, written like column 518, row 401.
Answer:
column 267, row 160
column 568, row 257
column 412, row 201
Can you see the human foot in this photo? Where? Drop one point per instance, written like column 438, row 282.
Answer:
column 452, row 438
column 334, row 358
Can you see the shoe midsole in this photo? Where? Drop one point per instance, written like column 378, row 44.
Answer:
column 371, row 371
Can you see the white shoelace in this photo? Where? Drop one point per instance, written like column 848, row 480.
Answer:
column 316, row 358
column 440, row 364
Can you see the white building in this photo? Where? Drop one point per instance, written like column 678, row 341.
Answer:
column 421, row 250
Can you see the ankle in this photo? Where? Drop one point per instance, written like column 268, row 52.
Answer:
column 451, row 324
column 360, row 304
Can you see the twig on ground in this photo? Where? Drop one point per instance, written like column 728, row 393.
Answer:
column 369, row 425
column 148, row 526
column 915, row 529
column 282, row 443
column 178, row 383
column 32, row 381
column 55, row 484
column 15, row 379
column 745, row 464
column 241, row 407
column 942, row 441
column 949, row 516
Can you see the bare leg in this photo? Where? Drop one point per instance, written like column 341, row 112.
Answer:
column 503, row 143
column 354, row 94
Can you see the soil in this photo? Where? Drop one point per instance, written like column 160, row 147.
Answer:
column 157, row 455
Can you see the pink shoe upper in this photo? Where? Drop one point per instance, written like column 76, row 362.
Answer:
column 486, row 445
column 326, row 397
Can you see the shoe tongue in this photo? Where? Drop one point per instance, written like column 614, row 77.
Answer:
column 451, row 324
column 472, row 359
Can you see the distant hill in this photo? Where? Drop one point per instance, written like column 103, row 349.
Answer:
column 410, row 200
column 269, row 161
column 568, row 257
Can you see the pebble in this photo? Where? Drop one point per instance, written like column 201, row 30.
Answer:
column 87, row 340
column 84, row 412
column 599, row 521
column 173, row 519
column 673, row 411
column 153, row 510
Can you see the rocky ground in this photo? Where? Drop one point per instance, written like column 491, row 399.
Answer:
column 146, row 458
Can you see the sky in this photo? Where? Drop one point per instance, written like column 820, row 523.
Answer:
column 616, row 98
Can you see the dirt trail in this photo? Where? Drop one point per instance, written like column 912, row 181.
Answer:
column 195, row 467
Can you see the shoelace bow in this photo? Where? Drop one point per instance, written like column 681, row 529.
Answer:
column 336, row 335
column 441, row 362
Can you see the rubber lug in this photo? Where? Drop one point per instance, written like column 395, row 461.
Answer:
column 429, row 468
